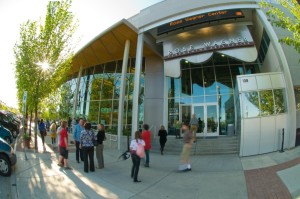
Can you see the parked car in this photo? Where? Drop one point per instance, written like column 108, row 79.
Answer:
column 6, row 135
column 13, row 117
column 8, row 158
column 10, row 124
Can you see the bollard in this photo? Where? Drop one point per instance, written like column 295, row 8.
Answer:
column 281, row 151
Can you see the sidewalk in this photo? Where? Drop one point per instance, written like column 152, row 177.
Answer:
column 215, row 176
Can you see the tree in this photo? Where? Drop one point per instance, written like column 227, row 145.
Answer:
column 279, row 18
column 49, row 42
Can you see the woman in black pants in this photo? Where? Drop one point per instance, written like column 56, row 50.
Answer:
column 136, row 160
column 162, row 133
column 87, row 146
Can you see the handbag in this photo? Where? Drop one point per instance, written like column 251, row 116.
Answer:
column 140, row 151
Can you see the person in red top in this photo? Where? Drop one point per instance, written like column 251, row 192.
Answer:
column 146, row 135
column 63, row 146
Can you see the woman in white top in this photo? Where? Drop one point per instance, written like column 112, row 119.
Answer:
column 136, row 160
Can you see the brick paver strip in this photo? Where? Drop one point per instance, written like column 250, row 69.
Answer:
column 265, row 183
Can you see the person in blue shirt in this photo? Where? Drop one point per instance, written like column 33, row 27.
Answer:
column 77, row 132
column 42, row 129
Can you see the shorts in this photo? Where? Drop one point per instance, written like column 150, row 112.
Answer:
column 63, row 152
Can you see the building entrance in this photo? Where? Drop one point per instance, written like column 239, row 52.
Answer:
column 207, row 115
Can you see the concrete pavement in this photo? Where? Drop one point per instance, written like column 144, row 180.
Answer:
column 214, row 176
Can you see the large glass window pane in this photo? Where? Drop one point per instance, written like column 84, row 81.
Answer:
column 280, row 101
column 236, row 70
column 105, row 113
column 186, row 82
column 173, row 115
column 252, row 68
column 197, row 82
column 96, row 87
column 211, row 99
column 266, row 103
column 108, row 86
column 198, row 100
column 93, row 112
column 174, row 87
column 224, row 84
column 209, row 81
column 226, row 114
column 185, row 100
column 186, row 112
column 250, row 104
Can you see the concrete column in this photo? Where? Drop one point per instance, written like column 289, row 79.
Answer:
column 76, row 92
column 137, row 81
column 291, row 104
column 122, row 92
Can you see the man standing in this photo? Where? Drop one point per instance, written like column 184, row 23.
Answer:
column 146, row 135
column 194, row 126
column 76, row 136
column 186, row 150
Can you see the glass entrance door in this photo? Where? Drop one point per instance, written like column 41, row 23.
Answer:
column 207, row 115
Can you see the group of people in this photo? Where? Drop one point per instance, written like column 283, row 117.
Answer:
column 84, row 138
column 143, row 137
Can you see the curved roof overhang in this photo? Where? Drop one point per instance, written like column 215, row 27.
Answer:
column 109, row 46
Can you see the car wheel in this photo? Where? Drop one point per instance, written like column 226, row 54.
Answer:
column 7, row 139
column 5, row 167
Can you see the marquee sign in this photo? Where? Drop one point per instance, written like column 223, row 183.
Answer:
column 198, row 19
column 208, row 46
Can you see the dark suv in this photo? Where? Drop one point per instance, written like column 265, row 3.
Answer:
column 9, row 123
column 8, row 158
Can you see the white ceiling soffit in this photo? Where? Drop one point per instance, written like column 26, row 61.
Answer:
column 199, row 45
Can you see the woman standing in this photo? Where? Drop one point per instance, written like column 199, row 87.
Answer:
column 87, row 146
column 162, row 133
column 99, row 148
column 53, row 133
column 136, row 160
column 64, row 146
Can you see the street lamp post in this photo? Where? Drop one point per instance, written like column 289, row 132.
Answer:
column 44, row 66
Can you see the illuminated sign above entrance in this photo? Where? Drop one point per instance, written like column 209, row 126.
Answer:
column 208, row 46
column 198, row 19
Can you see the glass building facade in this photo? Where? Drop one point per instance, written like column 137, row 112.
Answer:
column 207, row 90
column 98, row 96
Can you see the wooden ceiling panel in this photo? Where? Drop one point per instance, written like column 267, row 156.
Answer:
column 108, row 46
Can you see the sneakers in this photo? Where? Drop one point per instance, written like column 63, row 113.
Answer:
column 60, row 164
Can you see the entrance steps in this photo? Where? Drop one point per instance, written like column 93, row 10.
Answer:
column 203, row 146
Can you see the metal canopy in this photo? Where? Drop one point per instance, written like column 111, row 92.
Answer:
column 108, row 46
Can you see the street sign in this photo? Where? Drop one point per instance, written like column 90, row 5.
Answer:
column 24, row 96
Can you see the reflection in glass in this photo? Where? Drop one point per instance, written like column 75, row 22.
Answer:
column 173, row 85
column 226, row 113
column 211, row 99
column 266, row 103
column 197, row 82
column 224, row 84
column 199, row 111
column 280, row 104
column 185, row 100
column 212, row 119
column 186, row 82
column 186, row 114
column 209, row 81
column 250, row 104
column 173, row 114
column 197, row 100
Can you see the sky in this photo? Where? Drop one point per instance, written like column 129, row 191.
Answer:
column 94, row 17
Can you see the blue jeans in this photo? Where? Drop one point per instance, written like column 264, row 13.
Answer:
column 147, row 156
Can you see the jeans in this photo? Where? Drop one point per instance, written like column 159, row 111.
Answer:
column 136, row 160
column 147, row 156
